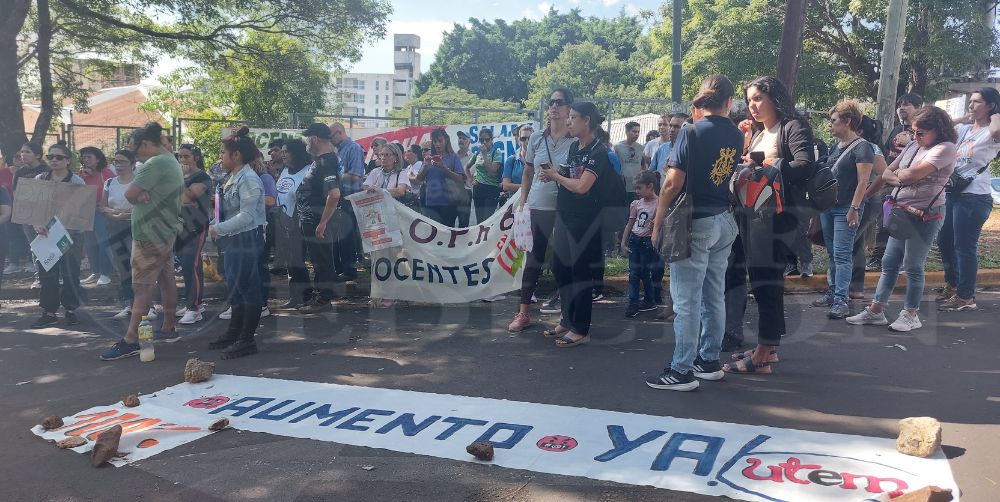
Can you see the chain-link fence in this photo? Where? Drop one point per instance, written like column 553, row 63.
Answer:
column 108, row 138
column 447, row 115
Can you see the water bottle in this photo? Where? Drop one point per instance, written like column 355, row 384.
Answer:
column 146, row 351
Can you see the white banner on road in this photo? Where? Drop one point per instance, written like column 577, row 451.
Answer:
column 744, row 462
column 440, row 264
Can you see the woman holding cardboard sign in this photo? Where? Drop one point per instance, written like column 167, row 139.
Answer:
column 67, row 269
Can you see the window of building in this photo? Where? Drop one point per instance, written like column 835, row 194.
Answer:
column 376, row 98
column 386, row 99
column 376, row 85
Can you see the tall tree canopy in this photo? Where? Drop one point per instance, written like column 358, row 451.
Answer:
column 41, row 40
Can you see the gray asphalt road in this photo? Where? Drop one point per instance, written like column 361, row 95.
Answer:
column 832, row 378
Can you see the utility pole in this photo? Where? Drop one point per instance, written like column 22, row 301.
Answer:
column 892, row 59
column 791, row 43
column 675, row 71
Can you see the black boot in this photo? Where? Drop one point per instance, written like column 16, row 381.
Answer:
column 232, row 333
column 246, row 345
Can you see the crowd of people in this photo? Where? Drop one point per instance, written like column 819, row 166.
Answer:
column 158, row 205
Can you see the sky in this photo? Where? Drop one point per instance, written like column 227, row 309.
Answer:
column 430, row 19
column 430, row 23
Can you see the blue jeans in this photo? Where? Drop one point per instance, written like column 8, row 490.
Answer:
column 959, row 239
column 910, row 255
column 242, row 267
column 698, row 286
column 839, row 239
column 98, row 251
column 642, row 261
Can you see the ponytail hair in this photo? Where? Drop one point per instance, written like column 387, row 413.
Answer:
column 715, row 91
column 241, row 143
column 152, row 132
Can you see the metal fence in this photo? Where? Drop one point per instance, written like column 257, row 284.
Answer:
column 444, row 115
column 108, row 138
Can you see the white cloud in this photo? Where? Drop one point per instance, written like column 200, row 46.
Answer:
column 377, row 57
column 632, row 9
column 609, row 3
column 544, row 7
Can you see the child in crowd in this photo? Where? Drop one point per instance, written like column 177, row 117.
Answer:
column 638, row 246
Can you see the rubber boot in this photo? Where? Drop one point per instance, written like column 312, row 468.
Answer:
column 246, row 345
column 232, row 333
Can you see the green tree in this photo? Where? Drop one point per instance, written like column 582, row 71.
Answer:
column 41, row 41
column 454, row 97
column 496, row 60
column 590, row 71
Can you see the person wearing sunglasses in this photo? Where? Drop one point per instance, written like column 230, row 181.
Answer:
column 513, row 167
column 67, row 269
column 484, row 169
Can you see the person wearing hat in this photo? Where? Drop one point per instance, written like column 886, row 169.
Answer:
column 317, row 198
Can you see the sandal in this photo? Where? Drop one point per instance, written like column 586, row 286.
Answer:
column 555, row 332
column 747, row 367
column 772, row 355
column 565, row 341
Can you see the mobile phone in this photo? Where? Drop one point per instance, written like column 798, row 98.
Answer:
column 758, row 158
column 564, row 170
column 435, row 158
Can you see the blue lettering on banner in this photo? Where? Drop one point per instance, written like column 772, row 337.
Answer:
column 243, row 409
column 266, row 414
column 383, row 269
column 418, row 268
column 363, row 417
column 517, row 434
column 395, row 270
column 486, row 269
column 705, row 459
column 622, row 444
column 471, row 271
column 459, row 423
column 323, row 413
column 451, row 270
column 431, row 270
column 408, row 425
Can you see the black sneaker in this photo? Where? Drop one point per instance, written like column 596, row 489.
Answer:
column 632, row 310
column 45, row 321
column 71, row 319
column 708, row 370
column 646, row 306
column 316, row 307
column 672, row 380
column 240, row 348
column 552, row 306
column 731, row 343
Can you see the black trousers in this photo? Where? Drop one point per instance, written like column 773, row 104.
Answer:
column 463, row 210
column 869, row 221
column 766, row 244
column 542, row 224
column 576, row 252
column 484, row 198
column 444, row 215
column 345, row 230
column 736, row 291
column 68, row 269
column 320, row 252
column 291, row 254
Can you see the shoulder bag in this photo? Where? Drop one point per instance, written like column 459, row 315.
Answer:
column 904, row 221
column 675, row 239
column 958, row 183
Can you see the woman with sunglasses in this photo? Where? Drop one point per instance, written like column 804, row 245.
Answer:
column 513, row 167
column 484, row 169
column 118, row 211
column 67, row 269
column 390, row 175
column 94, row 171
column 920, row 174
column 196, row 208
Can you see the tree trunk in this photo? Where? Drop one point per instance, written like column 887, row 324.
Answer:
column 918, row 60
column 791, row 43
column 47, row 92
column 11, row 115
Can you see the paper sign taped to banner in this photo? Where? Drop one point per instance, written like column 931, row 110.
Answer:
column 377, row 220
column 745, row 462
column 441, row 264
column 37, row 201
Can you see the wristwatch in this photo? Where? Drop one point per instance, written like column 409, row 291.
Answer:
column 855, row 208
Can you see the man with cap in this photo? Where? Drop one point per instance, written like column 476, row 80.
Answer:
column 352, row 175
column 317, row 198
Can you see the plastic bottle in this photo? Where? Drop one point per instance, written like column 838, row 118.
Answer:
column 146, row 351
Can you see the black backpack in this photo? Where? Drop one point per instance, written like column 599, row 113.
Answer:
column 821, row 189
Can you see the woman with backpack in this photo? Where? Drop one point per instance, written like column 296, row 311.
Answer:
column 780, row 139
column 576, row 239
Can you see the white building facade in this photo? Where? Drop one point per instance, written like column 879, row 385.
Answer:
column 377, row 94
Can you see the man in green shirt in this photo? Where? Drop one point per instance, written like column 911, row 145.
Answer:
column 155, row 194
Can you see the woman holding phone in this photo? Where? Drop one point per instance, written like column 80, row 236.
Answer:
column 443, row 178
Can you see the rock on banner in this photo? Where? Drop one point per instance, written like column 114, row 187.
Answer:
column 440, row 264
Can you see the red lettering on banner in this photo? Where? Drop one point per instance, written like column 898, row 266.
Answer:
column 789, row 469
column 754, row 464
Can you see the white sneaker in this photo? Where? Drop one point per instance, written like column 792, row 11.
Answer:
column 124, row 314
column 91, row 279
column 36, row 285
column 867, row 317
column 264, row 311
column 11, row 269
column 151, row 315
column 495, row 298
column 906, row 322
column 158, row 308
column 30, row 267
column 228, row 314
column 181, row 312
column 191, row 317
column 104, row 281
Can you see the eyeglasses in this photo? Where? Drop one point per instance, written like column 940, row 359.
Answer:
column 525, row 138
column 56, row 157
column 920, row 134
column 557, row 102
column 485, row 140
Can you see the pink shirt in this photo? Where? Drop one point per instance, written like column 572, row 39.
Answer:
column 922, row 193
column 97, row 180
column 643, row 211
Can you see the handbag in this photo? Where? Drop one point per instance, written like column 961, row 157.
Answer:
column 904, row 221
column 822, row 187
column 675, row 239
column 815, row 232
column 958, row 183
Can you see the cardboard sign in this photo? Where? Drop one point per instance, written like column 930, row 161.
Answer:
column 739, row 461
column 36, row 202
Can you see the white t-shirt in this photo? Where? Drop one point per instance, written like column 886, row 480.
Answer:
column 542, row 195
column 976, row 148
column 116, row 194
column 287, row 185
column 651, row 147
column 378, row 179
column 411, row 172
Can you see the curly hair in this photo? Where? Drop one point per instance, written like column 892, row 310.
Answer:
column 932, row 118
column 776, row 90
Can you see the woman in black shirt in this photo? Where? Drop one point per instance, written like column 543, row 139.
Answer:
column 577, row 235
column 196, row 203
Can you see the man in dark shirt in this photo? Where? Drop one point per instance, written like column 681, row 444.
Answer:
column 317, row 199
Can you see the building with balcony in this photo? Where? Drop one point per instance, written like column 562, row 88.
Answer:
column 377, row 94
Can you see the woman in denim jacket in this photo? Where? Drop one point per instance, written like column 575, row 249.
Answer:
column 239, row 233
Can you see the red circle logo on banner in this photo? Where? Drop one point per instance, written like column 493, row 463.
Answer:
column 556, row 443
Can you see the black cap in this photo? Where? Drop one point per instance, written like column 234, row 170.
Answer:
column 461, row 134
column 320, row 130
